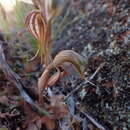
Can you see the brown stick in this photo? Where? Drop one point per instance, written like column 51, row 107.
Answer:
column 15, row 79
column 86, row 82
column 93, row 121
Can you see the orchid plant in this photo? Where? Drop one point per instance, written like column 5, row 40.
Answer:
column 39, row 24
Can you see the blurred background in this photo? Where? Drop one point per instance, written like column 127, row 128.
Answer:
column 12, row 13
column 97, row 29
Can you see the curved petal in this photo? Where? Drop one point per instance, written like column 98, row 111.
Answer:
column 72, row 57
column 36, row 24
column 54, row 78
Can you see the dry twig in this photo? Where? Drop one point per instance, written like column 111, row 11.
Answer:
column 93, row 121
column 15, row 79
column 86, row 82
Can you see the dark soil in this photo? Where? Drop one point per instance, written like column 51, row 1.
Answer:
column 102, row 35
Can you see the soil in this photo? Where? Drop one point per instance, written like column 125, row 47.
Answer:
column 101, row 35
